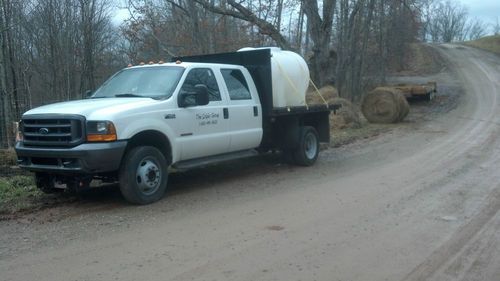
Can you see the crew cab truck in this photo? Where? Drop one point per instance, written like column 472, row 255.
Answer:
column 187, row 113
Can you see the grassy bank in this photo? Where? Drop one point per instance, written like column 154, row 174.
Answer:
column 7, row 157
column 16, row 190
column 489, row 43
column 17, row 193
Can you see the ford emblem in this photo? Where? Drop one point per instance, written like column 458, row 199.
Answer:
column 43, row 131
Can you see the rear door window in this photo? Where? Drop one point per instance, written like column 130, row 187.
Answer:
column 236, row 84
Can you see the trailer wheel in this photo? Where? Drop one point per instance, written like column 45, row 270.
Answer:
column 143, row 175
column 430, row 96
column 308, row 149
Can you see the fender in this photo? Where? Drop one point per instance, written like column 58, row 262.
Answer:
column 130, row 126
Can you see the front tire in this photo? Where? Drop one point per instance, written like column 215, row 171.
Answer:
column 143, row 175
column 307, row 152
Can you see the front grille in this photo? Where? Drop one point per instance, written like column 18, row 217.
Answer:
column 53, row 130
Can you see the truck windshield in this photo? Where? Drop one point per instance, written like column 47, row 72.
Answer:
column 147, row 82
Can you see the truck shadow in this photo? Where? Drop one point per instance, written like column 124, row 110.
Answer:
column 207, row 177
column 227, row 179
column 184, row 182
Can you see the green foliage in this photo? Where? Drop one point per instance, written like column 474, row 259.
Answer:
column 16, row 190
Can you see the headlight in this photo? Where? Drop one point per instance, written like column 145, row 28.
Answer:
column 99, row 131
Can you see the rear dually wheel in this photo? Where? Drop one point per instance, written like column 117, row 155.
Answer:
column 307, row 151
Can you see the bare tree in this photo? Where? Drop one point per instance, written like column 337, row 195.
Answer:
column 475, row 29
column 49, row 51
column 163, row 29
column 496, row 27
column 448, row 21
column 320, row 26
column 94, row 18
column 9, row 88
column 4, row 95
column 238, row 10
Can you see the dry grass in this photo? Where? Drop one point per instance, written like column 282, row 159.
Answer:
column 346, row 117
column 421, row 59
column 340, row 137
column 7, row 157
column 489, row 43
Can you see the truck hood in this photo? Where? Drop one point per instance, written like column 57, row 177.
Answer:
column 87, row 107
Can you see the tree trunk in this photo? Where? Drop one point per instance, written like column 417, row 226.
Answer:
column 4, row 96
column 323, row 58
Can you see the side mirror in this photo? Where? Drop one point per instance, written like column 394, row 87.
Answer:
column 87, row 94
column 198, row 97
column 201, row 94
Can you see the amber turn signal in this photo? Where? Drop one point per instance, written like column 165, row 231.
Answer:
column 101, row 131
column 98, row 138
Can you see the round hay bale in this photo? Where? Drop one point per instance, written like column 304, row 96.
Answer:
column 404, row 107
column 384, row 105
column 346, row 116
column 328, row 92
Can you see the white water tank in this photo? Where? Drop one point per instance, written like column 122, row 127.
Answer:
column 290, row 77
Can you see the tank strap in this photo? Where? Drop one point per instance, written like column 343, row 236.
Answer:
column 319, row 93
column 290, row 81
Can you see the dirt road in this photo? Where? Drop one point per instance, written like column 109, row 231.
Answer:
column 419, row 203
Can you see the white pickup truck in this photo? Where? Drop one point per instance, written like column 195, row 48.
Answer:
column 188, row 113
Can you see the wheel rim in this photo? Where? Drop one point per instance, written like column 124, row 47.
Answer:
column 148, row 176
column 311, row 146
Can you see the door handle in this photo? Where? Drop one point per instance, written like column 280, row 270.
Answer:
column 255, row 111
column 226, row 113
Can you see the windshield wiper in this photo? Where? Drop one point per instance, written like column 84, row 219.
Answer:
column 129, row 95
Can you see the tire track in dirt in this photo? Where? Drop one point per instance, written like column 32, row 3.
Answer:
column 456, row 258
column 458, row 241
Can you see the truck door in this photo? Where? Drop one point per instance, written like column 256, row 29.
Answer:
column 244, row 111
column 202, row 130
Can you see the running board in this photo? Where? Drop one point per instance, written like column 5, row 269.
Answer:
column 204, row 161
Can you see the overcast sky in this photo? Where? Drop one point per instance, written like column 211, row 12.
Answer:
column 120, row 14
column 486, row 10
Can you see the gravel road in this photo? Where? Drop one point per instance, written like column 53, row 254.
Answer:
column 419, row 203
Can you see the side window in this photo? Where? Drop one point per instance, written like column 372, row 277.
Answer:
column 236, row 84
column 202, row 76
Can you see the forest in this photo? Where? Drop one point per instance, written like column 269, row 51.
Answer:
column 54, row 50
